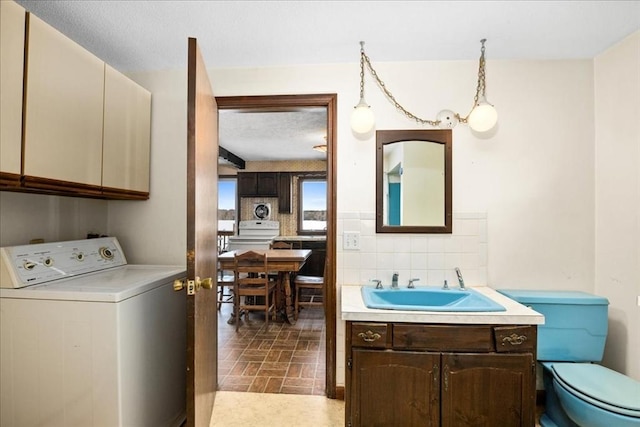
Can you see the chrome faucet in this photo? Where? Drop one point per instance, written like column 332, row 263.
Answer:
column 394, row 281
column 377, row 282
column 411, row 285
column 460, row 279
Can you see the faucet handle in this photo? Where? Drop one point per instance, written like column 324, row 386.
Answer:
column 377, row 282
column 411, row 285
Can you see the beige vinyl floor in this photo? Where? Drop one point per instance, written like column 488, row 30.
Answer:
column 232, row 408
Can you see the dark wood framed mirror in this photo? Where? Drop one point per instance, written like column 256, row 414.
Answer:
column 414, row 181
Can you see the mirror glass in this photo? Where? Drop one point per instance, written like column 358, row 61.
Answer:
column 413, row 181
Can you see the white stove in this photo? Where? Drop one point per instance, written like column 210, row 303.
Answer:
column 87, row 339
column 254, row 234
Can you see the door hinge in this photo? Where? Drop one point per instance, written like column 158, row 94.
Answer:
column 349, row 363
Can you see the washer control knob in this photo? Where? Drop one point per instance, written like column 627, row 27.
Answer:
column 48, row 262
column 29, row 265
column 106, row 253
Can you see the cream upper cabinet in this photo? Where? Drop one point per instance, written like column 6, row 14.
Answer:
column 64, row 109
column 12, row 24
column 127, row 133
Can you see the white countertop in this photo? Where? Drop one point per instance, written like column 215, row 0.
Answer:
column 318, row 238
column 353, row 309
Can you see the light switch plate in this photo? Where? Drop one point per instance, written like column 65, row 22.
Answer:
column 351, row 241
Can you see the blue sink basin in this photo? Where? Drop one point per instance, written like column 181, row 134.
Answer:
column 428, row 299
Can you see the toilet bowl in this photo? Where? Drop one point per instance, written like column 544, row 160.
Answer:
column 589, row 395
column 579, row 393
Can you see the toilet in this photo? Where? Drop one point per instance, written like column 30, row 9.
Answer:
column 579, row 392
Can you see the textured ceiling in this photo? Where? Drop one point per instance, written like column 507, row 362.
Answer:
column 152, row 35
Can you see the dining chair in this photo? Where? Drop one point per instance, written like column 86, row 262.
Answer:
column 310, row 284
column 225, row 287
column 281, row 245
column 251, row 279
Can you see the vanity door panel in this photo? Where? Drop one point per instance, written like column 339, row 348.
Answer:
column 392, row 388
column 487, row 389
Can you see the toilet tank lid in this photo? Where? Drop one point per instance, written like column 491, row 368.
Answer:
column 528, row 296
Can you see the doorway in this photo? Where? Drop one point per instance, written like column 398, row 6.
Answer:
column 300, row 103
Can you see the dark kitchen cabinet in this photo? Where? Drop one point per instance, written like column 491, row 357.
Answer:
column 285, row 196
column 314, row 266
column 251, row 184
column 401, row 374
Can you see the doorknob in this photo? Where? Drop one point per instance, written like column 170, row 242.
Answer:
column 206, row 283
column 178, row 285
column 193, row 285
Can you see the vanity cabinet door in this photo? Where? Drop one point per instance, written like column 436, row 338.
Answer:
column 390, row 388
column 488, row 389
column 63, row 112
column 127, row 137
column 12, row 22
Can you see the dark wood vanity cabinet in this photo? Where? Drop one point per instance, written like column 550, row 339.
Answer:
column 252, row 184
column 402, row 374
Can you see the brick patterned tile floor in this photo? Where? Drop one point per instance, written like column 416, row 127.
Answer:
column 286, row 358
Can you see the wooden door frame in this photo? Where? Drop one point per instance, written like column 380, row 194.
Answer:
column 328, row 101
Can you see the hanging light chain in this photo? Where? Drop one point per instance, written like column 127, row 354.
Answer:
column 482, row 85
column 364, row 58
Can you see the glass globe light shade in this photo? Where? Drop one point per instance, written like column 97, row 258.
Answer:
column 362, row 118
column 447, row 119
column 483, row 117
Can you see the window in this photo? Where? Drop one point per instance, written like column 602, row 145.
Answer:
column 226, row 203
column 312, row 205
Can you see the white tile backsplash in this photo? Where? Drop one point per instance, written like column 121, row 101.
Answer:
column 429, row 257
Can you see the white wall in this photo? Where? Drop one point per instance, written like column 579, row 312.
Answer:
column 24, row 217
column 535, row 179
column 617, row 203
column 532, row 178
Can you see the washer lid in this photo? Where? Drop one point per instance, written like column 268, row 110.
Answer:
column 601, row 386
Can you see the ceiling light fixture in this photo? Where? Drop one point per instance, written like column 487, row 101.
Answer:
column 481, row 118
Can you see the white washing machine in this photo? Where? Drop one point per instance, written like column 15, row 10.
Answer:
column 89, row 340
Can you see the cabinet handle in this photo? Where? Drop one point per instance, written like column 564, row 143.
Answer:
column 369, row 336
column 445, row 375
column 436, row 368
column 514, row 339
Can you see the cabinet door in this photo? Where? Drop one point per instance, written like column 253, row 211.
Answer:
column 285, row 196
column 64, row 106
column 247, row 184
column 12, row 21
column 488, row 390
column 394, row 388
column 268, row 184
column 127, row 124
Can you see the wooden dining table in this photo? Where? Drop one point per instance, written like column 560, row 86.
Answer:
column 283, row 261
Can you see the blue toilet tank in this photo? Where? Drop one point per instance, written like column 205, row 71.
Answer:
column 575, row 323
